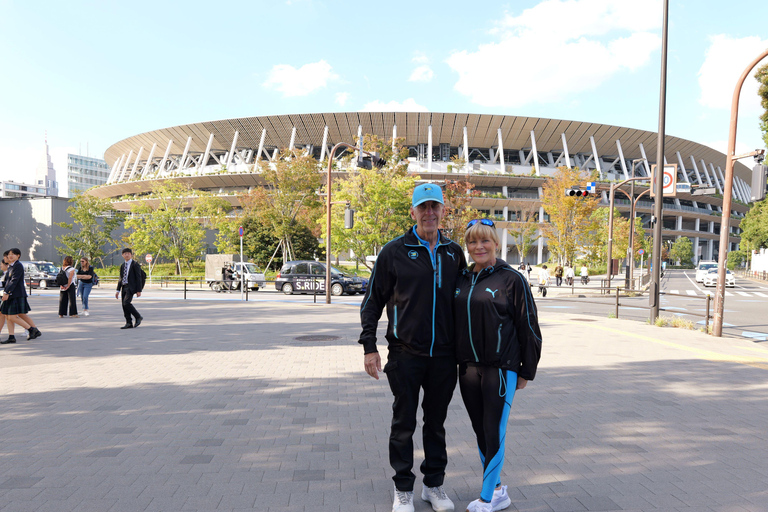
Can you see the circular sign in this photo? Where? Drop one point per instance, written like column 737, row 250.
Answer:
column 148, row 257
column 640, row 252
column 667, row 178
column 241, row 231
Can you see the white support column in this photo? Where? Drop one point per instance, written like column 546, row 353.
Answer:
column 232, row 150
column 621, row 158
column 324, row 147
column 501, row 152
column 737, row 189
column 743, row 189
column 717, row 180
column 535, row 154
column 565, row 151
column 125, row 165
column 597, row 157
column 703, row 171
column 275, row 154
column 136, row 163
column 682, row 167
column 710, row 251
column 261, row 145
column 696, row 251
column 466, row 151
column 183, row 160
column 359, row 141
column 394, row 137
column 645, row 161
column 696, row 170
column 679, row 225
column 161, row 168
column 504, row 242
column 540, row 253
column 148, row 165
column 429, row 149
column 204, row 160
column 293, row 140
column 114, row 169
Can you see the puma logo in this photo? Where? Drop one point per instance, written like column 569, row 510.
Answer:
column 492, row 292
column 451, row 255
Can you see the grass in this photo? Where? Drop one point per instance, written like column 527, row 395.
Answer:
column 674, row 321
column 611, row 315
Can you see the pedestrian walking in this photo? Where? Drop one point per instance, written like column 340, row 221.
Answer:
column 85, row 281
column 569, row 274
column 528, row 270
column 543, row 280
column 68, row 292
column 584, row 275
column 131, row 283
column 414, row 278
column 14, row 299
column 559, row 274
column 498, row 346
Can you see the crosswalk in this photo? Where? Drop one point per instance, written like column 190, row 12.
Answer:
column 697, row 293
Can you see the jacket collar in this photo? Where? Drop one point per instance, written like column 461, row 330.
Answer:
column 500, row 264
column 412, row 239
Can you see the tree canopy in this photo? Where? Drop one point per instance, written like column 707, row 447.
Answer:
column 90, row 235
column 762, row 77
column 682, row 250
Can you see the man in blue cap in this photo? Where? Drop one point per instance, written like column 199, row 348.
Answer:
column 414, row 278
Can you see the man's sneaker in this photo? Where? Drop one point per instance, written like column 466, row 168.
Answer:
column 437, row 497
column 403, row 501
column 87, row 313
column 500, row 499
column 479, row 506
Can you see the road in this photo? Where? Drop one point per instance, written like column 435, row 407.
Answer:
column 744, row 315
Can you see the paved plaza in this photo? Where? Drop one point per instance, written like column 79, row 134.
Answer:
column 230, row 406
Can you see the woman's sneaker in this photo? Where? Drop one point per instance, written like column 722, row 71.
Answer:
column 500, row 499
column 479, row 506
column 403, row 501
column 437, row 498
column 86, row 313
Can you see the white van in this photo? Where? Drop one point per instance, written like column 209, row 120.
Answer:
column 702, row 268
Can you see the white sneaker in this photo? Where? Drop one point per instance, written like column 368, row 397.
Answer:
column 500, row 499
column 479, row 506
column 403, row 501
column 87, row 313
column 437, row 497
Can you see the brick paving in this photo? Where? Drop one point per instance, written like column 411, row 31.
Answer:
column 214, row 405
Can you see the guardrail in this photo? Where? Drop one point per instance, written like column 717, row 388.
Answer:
column 752, row 274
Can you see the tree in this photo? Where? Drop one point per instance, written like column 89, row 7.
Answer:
column 682, row 250
column 569, row 224
column 762, row 77
column 525, row 231
column 260, row 243
column 165, row 223
column 289, row 198
column 381, row 199
column 458, row 211
column 754, row 226
column 213, row 213
column 95, row 219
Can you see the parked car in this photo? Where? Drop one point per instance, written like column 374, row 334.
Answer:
column 216, row 266
column 702, row 268
column 711, row 278
column 40, row 274
column 309, row 277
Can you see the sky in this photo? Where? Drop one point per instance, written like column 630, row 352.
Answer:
column 88, row 74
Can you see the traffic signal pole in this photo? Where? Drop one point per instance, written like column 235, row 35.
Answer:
column 612, row 198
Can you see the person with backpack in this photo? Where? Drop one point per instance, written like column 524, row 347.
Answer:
column 67, row 281
column 130, row 283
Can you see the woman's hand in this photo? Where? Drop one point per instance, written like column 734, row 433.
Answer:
column 521, row 383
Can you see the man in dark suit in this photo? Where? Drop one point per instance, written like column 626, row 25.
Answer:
column 130, row 283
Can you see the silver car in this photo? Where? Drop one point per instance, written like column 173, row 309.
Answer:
column 710, row 279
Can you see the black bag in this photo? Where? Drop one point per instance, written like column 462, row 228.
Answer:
column 62, row 278
column 95, row 279
column 143, row 277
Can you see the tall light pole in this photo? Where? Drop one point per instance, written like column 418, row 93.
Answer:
column 376, row 161
column 653, row 297
column 722, row 256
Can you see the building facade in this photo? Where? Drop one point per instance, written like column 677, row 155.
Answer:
column 507, row 158
column 45, row 174
column 16, row 189
column 84, row 172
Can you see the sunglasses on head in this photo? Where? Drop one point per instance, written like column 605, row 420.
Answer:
column 484, row 222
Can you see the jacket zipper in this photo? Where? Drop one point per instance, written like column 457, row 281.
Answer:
column 469, row 316
column 498, row 340
column 395, row 327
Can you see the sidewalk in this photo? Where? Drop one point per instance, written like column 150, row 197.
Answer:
column 264, row 406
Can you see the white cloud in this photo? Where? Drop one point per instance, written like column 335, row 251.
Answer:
column 408, row 105
column 302, row 81
column 420, row 58
column 557, row 49
column 741, row 149
column 421, row 74
column 341, row 98
column 725, row 61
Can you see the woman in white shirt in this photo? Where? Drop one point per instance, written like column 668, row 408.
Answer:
column 67, row 299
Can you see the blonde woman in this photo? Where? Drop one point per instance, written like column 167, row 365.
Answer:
column 67, row 299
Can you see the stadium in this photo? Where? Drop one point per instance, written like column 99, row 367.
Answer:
column 507, row 159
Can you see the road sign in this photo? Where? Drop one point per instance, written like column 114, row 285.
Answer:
column 148, row 257
column 669, row 187
column 684, row 188
column 640, row 252
column 703, row 191
column 241, row 231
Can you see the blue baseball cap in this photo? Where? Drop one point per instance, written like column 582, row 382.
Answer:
column 427, row 192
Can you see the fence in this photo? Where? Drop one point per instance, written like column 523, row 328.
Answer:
column 751, row 274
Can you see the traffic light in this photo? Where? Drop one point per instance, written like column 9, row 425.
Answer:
column 576, row 192
column 371, row 161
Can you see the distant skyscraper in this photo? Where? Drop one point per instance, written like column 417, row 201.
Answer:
column 84, row 172
column 45, row 176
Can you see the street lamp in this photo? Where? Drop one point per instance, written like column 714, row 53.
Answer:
column 375, row 161
column 717, row 324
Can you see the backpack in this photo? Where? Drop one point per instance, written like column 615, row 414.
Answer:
column 143, row 277
column 62, row 278
column 95, row 279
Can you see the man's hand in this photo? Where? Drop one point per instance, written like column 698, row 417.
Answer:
column 117, row 294
column 372, row 364
column 138, row 294
column 521, row 382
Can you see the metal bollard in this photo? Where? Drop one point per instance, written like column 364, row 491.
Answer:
column 185, row 288
column 247, row 289
column 706, row 319
column 617, row 302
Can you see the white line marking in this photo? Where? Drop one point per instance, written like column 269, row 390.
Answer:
column 691, row 292
column 674, row 291
column 760, row 294
column 745, row 294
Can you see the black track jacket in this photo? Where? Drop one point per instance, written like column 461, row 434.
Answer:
column 418, row 296
column 496, row 320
